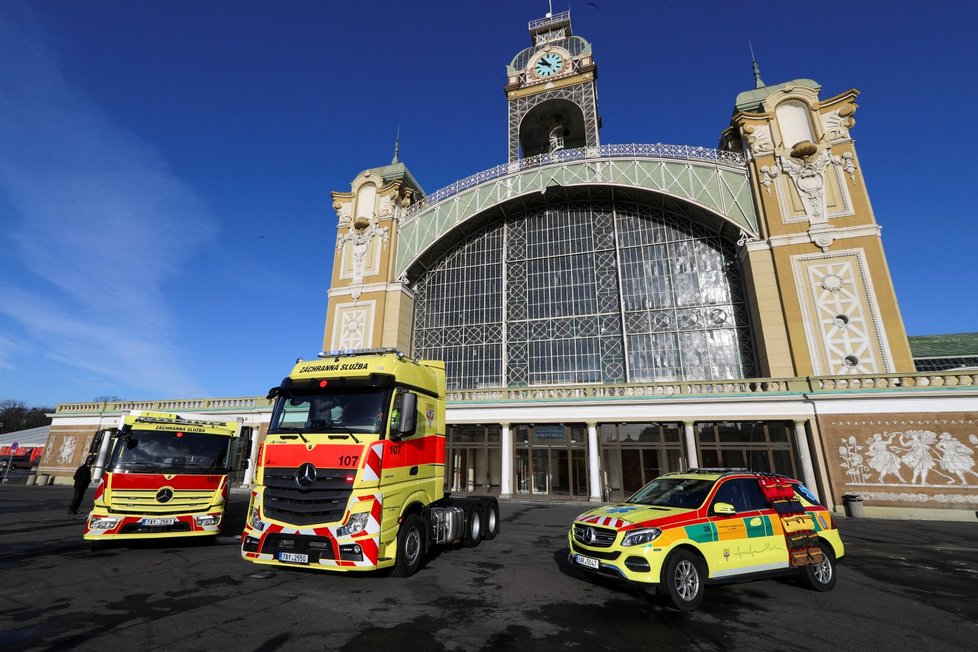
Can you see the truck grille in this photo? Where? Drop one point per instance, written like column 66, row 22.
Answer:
column 144, row 502
column 324, row 500
column 603, row 537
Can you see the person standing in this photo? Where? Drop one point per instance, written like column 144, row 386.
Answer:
column 83, row 476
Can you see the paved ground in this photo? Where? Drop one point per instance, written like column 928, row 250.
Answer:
column 905, row 586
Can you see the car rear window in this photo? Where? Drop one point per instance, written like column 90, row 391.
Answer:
column 805, row 493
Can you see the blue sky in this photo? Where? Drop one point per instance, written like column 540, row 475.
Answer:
column 165, row 221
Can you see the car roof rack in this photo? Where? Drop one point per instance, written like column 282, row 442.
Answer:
column 717, row 469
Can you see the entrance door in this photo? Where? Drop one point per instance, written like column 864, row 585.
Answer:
column 544, row 467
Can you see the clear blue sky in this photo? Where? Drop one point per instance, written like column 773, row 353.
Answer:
column 166, row 228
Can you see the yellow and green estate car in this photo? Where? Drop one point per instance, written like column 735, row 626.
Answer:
column 704, row 526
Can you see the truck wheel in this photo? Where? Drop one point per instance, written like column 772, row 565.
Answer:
column 473, row 533
column 491, row 527
column 410, row 547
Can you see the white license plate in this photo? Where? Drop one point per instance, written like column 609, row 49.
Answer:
column 587, row 561
column 158, row 521
column 294, row 557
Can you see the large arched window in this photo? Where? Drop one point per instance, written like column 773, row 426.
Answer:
column 584, row 293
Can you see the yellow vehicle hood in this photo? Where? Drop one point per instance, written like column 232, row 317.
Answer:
column 624, row 515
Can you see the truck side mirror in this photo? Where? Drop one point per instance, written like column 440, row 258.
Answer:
column 272, row 393
column 409, row 421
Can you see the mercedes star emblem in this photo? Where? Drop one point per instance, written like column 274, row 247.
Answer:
column 589, row 536
column 305, row 475
column 164, row 495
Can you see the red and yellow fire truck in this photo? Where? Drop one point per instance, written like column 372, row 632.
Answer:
column 351, row 474
column 166, row 475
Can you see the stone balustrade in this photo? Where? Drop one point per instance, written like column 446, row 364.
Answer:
column 239, row 404
column 758, row 387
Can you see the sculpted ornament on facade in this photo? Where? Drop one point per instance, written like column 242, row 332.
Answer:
column 758, row 138
column 66, row 453
column 360, row 240
column 386, row 208
column 848, row 166
column 745, row 238
column 343, row 212
column 808, row 176
column 768, row 174
column 837, row 123
column 919, row 458
column 351, row 329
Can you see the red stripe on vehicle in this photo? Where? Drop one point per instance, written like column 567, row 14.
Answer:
column 331, row 456
column 157, row 480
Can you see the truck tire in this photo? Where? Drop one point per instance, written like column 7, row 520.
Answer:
column 410, row 546
column 491, row 526
column 473, row 527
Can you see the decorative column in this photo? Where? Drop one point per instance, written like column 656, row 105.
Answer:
column 808, row 471
column 691, row 458
column 593, row 462
column 506, row 482
column 249, row 474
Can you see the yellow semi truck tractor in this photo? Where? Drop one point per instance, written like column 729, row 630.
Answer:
column 351, row 475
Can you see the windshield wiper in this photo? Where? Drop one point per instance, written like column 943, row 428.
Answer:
column 140, row 465
column 298, row 434
column 346, row 432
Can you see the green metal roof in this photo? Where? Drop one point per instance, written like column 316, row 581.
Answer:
column 944, row 346
column 394, row 172
column 751, row 100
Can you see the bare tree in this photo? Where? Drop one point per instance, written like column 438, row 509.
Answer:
column 15, row 415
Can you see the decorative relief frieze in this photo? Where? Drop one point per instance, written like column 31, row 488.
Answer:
column 66, row 452
column 909, row 458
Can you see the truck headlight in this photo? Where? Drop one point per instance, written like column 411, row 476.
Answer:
column 103, row 523
column 207, row 519
column 255, row 520
column 356, row 524
column 638, row 537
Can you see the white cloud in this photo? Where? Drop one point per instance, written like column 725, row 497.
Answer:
column 99, row 220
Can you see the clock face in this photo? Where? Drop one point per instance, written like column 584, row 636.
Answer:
column 548, row 65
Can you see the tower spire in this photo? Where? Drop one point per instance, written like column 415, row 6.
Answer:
column 397, row 143
column 758, row 83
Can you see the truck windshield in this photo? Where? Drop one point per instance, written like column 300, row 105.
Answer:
column 160, row 451
column 352, row 411
column 673, row 492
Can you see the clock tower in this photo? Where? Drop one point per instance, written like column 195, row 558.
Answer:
column 553, row 100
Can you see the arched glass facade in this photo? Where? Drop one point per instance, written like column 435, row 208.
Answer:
column 593, row 292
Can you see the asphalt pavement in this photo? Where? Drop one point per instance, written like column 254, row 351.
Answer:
column 904, row 585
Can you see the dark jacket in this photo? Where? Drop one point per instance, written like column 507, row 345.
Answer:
column 83, row 476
